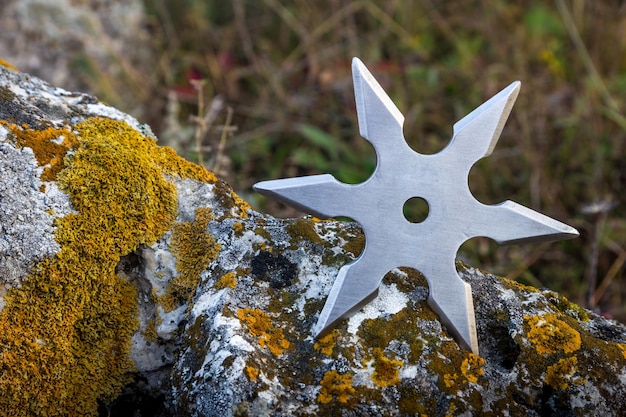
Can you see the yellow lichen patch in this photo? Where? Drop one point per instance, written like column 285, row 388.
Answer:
column 242, row 204
column 386, row 371
column 260, row 325
column 228, row 280
column 173, row 164
column 559, row 375
column 327, row 343
column 472, row 367
column 49, row 146
column 548, row 334
column 335, row 385
column 66, row 333
column 238, row 228
column 194, row 248
column 252, row 372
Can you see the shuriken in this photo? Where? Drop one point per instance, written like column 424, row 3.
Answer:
column 442, row 181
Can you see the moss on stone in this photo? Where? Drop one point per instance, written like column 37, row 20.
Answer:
column 355, row 245
column 302, row 229
column 565, row 306
column 509, row 284
column 402, row 326
column 229, row 200
column 67, row 331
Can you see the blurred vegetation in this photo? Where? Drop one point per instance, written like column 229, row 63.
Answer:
column 268, row 84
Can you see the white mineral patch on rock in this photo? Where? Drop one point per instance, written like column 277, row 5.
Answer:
column 390, row 300
column 26, row 230
column 170, row 322
column 193, row 194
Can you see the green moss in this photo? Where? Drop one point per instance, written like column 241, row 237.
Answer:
column 355, row 245
column 565, row 306
column 303, row 229
column 402, row 326
column 406, row 283
column 261, row 231
column 517, row 287
column 6, row 94
column 67, row 331
column 229, row 200
column 194, row 248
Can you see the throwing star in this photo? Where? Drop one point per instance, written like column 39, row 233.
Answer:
column 454, row 215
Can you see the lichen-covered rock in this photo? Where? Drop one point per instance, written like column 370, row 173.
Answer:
column 248, row 349
column 132, row 278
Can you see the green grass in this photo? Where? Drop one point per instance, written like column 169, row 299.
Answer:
column 284, row 69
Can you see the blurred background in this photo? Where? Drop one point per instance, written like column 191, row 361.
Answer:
column 262, row 89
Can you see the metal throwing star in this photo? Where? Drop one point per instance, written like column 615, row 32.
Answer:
column 442, row 181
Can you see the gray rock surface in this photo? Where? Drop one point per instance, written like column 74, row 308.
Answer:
column 134, row 280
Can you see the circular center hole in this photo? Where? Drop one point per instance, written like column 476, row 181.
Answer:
column 415, row 210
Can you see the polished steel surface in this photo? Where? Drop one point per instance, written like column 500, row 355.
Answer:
column 454, row 215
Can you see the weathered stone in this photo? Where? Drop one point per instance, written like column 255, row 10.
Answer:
column 154, row 286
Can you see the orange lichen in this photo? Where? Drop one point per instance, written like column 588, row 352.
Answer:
column 228, row 280
column 252, row 372
column 8, row 65
column 472, row 367
column 194, row 248
column 327, row 343
column 66, row 332
column 386, row 371
column 260, row 325
column 335, row 385
column 238, row 228
column 559, row 375
column 49, row 146
column 242, row 204
column 457, row 368
column 548, row 334
column 173, row 164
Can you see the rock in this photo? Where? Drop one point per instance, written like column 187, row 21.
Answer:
column 138, row 283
